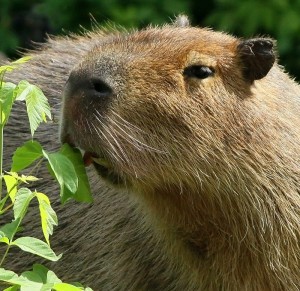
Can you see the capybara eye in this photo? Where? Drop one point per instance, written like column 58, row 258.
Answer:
column 196, row 71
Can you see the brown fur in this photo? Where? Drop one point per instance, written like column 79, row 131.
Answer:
column 208, row 169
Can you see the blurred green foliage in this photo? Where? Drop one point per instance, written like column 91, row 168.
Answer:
column 279, row 19
column 22, row 21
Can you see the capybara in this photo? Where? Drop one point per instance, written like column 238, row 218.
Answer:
column 194, row 137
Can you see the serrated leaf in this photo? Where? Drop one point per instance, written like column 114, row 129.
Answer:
column 22, row 90
column 7, row 98
column 66, row 287
column 35, row 246
column 48, row 215
column 83, row 193
column 25, row 155
column 11, row 186
column 37, row 104
column 22, row 200
column 14, row 65
column 8, row 230
column 64, row 172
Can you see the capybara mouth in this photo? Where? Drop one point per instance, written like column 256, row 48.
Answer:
column 101, row 164
column 103, row 168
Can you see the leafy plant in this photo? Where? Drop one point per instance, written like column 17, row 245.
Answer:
column 67, row 168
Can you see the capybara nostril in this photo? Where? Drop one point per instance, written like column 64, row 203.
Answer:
column 101, row 88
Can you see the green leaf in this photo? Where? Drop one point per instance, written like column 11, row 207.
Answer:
column 26, row 155
column 3, row 238
column 6, row 275
column 37, row 104
column 10, row 277
column 66, row 287
column 64, row 172
column 37, row 247
column 42, row 275
column 39, row 279
column 27, row 179
column 83, row 193
column 12, row 288
column 8, row 230
column 79, row 286
column 7, row 98
column 48, row 215
column 11, row 186
column 22, row 200
column 2, row 203
column 6, row 68
column 21, row 60
column 13, row 65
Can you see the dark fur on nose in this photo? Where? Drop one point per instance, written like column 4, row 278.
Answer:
column 83, row 95
column 88, row 87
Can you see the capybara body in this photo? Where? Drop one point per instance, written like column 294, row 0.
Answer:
column 195, row 138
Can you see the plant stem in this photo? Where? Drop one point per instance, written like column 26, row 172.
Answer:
column 1, row 139
column 36, row 166
column 6, row 208
column 1, row 152
column 4, row 256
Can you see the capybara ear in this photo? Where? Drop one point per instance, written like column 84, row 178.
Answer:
column 258, row 57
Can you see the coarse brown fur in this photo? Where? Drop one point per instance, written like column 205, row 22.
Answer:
column 205, row 171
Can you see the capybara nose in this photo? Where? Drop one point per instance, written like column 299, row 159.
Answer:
column 85, row 87
column 82, row 94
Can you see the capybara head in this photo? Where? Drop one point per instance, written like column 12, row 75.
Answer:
column 154, row 108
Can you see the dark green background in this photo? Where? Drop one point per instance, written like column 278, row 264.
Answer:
column 22, row 21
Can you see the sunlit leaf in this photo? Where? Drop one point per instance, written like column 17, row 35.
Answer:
column 83, row 193
column 37, row 247
column 21, row 60
column 22, row 200
column 7, row 99
column 37, row 104
column 48, row 215
column 66, row 287
column 6, row 68
column 25, row 178
column 4, row 239
column 10, row 277
column 64, row 172
column 25, row 155
column 11, row 186
column 12, row 288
